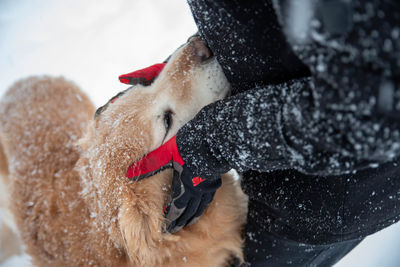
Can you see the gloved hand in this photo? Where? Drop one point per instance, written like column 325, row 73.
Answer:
column 190, row 193
column 190, row 196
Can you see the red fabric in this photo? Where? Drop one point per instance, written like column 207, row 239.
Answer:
column 123, row 80
column 156, row 159
column 197, row 180
column 144, row 76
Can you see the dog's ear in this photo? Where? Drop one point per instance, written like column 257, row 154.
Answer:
column 144, row 76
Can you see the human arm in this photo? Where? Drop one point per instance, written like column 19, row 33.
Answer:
column 282, row 127
column 334, row 122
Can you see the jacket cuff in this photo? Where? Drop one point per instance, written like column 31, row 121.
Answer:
column 197, row 154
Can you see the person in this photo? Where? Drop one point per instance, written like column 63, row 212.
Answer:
column 312, row 124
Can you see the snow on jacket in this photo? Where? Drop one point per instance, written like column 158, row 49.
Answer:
column 337, row 113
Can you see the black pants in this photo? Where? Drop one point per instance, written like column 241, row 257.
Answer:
column 263, row 248
column 302, row 220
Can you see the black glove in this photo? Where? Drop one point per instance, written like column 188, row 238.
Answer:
column 190, row 196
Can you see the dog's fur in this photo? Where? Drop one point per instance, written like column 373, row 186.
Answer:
column 73, row 204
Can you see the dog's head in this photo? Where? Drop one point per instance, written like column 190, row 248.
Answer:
column 137, row 122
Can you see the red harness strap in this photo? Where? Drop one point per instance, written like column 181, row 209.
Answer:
column 157, row 160
column 144, row 76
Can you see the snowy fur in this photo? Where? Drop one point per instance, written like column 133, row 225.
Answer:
column 73, row 204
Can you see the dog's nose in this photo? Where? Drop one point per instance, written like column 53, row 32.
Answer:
column 200, row 48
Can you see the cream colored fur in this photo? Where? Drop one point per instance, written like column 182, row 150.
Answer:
column 73, row 205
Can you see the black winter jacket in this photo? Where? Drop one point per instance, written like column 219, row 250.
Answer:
column 334, row 111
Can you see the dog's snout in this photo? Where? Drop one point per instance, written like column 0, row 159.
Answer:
column 201, row 50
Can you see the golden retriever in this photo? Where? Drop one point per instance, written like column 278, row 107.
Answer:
column 65, row 171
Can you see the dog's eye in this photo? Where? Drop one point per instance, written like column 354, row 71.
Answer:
column 168, row 119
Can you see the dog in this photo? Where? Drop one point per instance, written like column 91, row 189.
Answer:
column 65, row 171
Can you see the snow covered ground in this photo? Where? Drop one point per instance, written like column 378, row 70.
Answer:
column 92, row 42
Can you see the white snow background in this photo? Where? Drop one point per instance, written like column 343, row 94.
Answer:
column 93, row 42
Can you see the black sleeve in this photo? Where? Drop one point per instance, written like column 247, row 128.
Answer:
column 248, row 42
column 283, row 126
column 343, row 118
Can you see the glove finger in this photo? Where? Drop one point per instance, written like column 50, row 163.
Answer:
column 189, row 212
column 182, row 220
column 176, row 208
column 177, row 188
column 178, row 202
column 211, row 185
column 173, row 212
column 205, row 201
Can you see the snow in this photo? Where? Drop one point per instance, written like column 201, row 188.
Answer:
column 301, row 14
column 93, row 42
column 90, row 42
column 386, row 96
column 380, row 249
column 17, row 261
